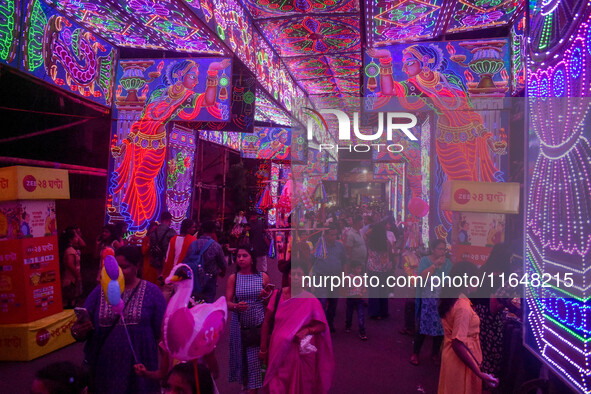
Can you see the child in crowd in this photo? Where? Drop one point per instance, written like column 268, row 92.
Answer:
column 60, row 378
column 181, row 379
column 355, row 299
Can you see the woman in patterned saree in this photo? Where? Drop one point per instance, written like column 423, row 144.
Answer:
column 108, row 353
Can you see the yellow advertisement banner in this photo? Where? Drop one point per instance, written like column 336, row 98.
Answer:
column 24, row 342
column 492, row 197
column 33, row 183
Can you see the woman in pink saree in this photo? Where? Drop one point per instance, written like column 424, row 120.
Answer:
column 299, row 319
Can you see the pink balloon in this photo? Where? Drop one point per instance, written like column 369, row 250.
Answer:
column 418, row 207
column 119, row 307
column 112, row 267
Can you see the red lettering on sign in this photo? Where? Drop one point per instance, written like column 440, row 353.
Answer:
column 462, row 196
column 30, row 183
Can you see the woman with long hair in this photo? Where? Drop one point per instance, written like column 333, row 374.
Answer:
column 436, row 264
column 489, row 310
column 70, row 267
column 461, row 356
column 246, row 293
column 144, row 149
column 149, row 273
column 106, row 244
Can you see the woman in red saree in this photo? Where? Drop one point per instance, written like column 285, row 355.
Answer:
column 299, row 317
column 463, row 144
column 144, row 149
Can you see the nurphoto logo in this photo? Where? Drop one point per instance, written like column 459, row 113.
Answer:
column 394, row 121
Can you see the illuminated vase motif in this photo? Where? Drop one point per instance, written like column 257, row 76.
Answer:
column 134, row 80
column 486, row 62
column 179, row 179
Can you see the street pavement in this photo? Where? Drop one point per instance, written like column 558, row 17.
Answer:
column 378, row 365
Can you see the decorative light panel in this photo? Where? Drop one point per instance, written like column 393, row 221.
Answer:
column 313, row 35
column 558, row 182
column 268, row 66
column 150, row 24
column 55, row 49
column 458, row 71
column 10, row 28
column 268, row 111
column 518, row 55
column 331, row 85
column 267, row 143
column 233, row 140
column 277, row 8
column 152, row 94
column 230, row 22
column 553, row 25
column 477, row 14
column 341, row 66
column 407, row 20
column 179, row 174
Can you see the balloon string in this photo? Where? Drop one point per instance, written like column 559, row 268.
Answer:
column 196, row 376
column 129, row 339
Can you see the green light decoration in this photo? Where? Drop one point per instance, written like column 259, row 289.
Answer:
column 132, row 83
column 34, row 24
column 8, row 29
column 105, row 79
column 372, row 70
column 221, row 32
column 546, row 30
column 224, row 81
column 248, row 97
column 487, row 66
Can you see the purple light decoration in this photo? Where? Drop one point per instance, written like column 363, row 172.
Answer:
column 558, row 229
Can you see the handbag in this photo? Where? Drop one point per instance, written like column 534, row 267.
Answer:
column 251, row 336
column 98, row 345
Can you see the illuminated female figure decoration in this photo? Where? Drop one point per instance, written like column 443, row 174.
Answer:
column 278, row 146
column 462, row 142
column 145, row 146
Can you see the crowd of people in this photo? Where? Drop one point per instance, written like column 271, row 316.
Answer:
column 280, row 333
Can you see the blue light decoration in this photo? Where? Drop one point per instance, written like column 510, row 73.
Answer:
column 558, row 190
column 157, row 93
column 470, row 141
column 45, row 44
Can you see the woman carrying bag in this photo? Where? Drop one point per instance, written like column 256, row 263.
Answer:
column 110, row 352
column 249, row 290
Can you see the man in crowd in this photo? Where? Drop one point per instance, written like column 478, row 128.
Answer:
column 159, row 241
column 258, row 241
column 355, row 244
column 206, row 258
column 330, row 265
